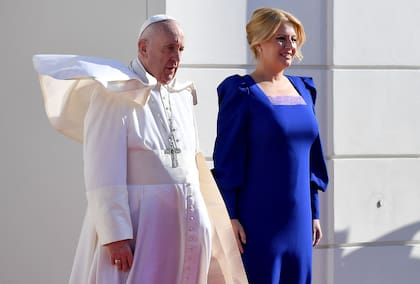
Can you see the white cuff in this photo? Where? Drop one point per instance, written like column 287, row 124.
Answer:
column 108, row 207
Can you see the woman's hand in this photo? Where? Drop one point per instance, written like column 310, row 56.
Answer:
column 120, row 254
column 316, row 232
column 239, row 233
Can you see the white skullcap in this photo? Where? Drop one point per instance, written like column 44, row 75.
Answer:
column 154, row 19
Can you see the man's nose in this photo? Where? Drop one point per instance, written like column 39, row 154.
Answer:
column 176, row 55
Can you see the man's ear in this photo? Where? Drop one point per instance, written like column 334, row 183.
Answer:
column 142, row 47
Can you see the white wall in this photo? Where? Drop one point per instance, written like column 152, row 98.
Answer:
column 375, row 142
column 362, row 56
column 43, row 201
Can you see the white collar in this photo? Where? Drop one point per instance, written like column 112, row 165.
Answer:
column 145, row 77
column 150, row 81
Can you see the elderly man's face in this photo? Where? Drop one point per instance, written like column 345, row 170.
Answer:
column 162, row 50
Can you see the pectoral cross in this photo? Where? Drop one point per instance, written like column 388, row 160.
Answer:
column 173, row 151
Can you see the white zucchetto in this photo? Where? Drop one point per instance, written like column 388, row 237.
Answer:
column 154, row 19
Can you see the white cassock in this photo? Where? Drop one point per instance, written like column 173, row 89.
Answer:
column 136, row 188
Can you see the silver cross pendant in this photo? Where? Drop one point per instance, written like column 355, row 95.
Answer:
column 173, row 151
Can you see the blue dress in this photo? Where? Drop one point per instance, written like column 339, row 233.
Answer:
column 269, row 166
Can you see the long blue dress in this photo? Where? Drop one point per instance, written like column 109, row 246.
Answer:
column 269, row 166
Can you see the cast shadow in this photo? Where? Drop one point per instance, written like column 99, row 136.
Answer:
column 387, row 260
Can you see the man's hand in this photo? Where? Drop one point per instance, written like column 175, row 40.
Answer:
column 316, row 232
column 120, row 254
column 239, row 233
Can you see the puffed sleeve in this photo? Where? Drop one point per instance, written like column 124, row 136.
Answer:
column 318, row 168
column 230, row 146
column 105, row 164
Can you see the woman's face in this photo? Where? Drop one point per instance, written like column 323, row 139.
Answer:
column 278, row 52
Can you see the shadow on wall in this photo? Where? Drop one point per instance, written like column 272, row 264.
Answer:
column 384, row 261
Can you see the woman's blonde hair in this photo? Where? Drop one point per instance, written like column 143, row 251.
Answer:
column 264, row 24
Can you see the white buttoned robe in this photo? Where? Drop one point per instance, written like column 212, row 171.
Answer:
column 132, row 190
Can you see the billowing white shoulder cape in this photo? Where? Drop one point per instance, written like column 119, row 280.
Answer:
column 67, row 82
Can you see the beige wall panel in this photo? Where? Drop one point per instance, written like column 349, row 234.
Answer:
column 376, row 200
column 376, row 32
column 215, row 30
column 376, row 112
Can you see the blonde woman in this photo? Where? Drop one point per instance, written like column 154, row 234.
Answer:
column 268, row 160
